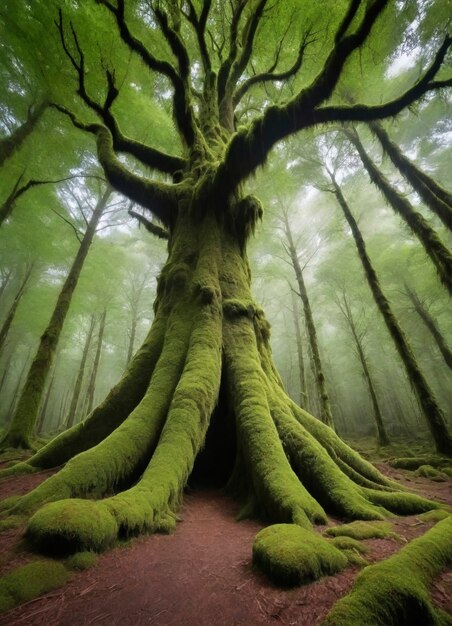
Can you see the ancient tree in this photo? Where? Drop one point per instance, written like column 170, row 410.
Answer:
column 204, row 378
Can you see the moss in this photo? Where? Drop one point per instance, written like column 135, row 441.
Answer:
column 413, row 463
column 81, row 560
column 30, row 581
column 345, row 542
column 382, row 596
column 401, row 503
column 354, row 558
column 13, row 521
column 70, row 526
column 362, row 530
column 291, row 555
column 433, row 516
column 427, row 471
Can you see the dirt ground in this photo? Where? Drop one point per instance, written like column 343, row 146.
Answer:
column 199, row 576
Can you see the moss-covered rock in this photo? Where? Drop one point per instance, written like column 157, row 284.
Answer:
column 72, row 525
column 433, row 516
column 291, row 555
column 362, row 530
column 395, row 592
column 81, row 560
column 30, row 581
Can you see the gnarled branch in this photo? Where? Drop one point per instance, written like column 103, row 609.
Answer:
column 159, row 198
column 155, row 229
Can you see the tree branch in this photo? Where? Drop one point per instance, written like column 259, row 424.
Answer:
column 225, row 68
column 270, row 75
column 183, row 113
column 248, row 149
column 159, row 198
column 199, row 26
column 156, row 230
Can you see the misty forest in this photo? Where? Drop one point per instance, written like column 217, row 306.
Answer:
column 225, row 296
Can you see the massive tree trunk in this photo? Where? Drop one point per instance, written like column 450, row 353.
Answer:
column 425, row 396
column 438, row 199
column 325, row 408
column 205, row 378
column 432, row 244
column 24, row 418
column 432, row 325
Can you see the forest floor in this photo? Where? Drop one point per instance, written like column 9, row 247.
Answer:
column 200, row 575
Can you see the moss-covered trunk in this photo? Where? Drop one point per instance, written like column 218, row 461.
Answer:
column 428, row 237
column 438, row 199
column 10, row 144
column 432, row 326
column 205, row 366
column 13, row 308
column 429, row 405
column 24, row 418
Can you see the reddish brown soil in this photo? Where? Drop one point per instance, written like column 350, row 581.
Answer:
column 200, row 575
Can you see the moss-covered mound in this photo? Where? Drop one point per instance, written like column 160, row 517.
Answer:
column 427, row 471
column 291, row 555
column 82, row 560
column 433, row 516
column 30, row 581
column 412, row 463
column 395, row 592
column 71, row 526
column 362, row 530
column 343, row 542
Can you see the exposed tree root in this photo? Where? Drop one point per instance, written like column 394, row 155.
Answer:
column 381, row 595
column 289, row 467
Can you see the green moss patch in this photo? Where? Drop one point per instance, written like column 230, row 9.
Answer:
column 427, row 471
column 291, row 555
column 395, row 592
column 362, row 530
column 412, row 463
column 71, row 526
column 13, row 521
column 30, row 581
column 82, row 560
column 433, row 516
column 348, row 543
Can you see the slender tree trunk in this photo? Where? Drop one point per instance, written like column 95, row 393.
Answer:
column 10, row 144
column 81, row 372
column 432, row 244
column 382, row 435
column 301, row 369
column 437, row 199
column 92, row 381
column 12, row 310
column 325, row 408
column 25, row 415
column 430, row 408
column 432, row 325
column 18, row 386
column 132, row 334
column 43, row 412
column 6, row 277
